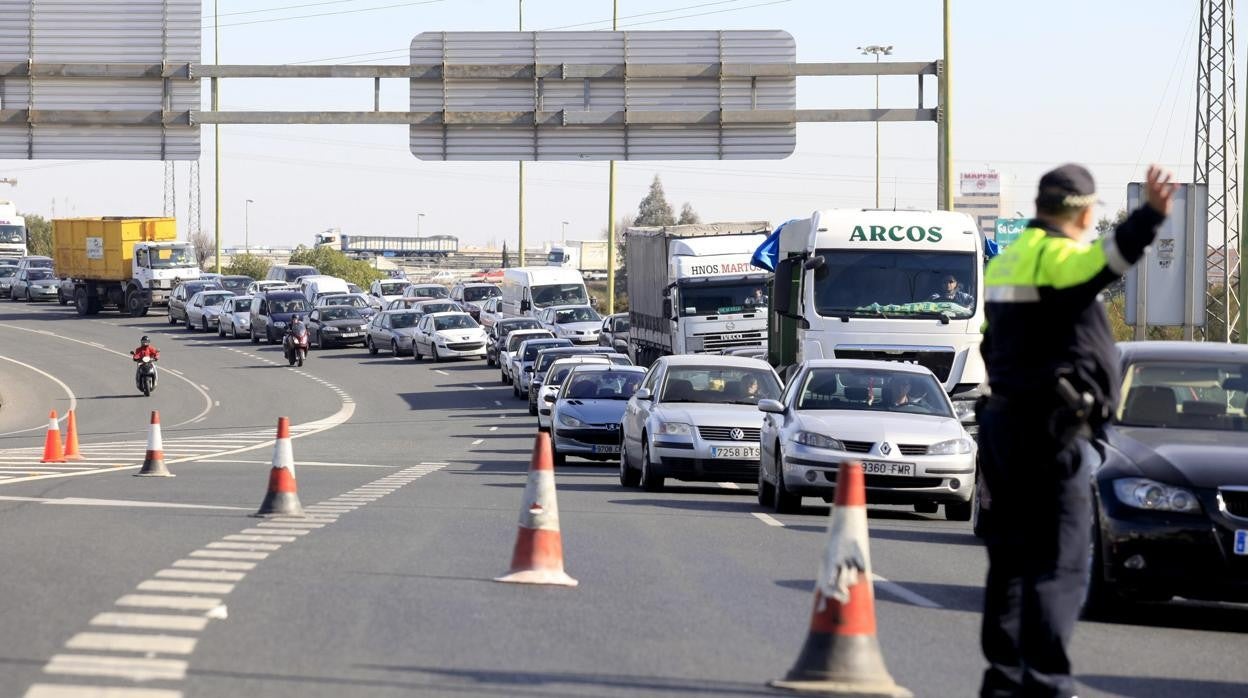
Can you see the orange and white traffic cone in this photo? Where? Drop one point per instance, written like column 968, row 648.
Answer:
column 52, row 452
column 538, row 555
column 71, row 437
column 154, row 459
column 282, row 498
column 841, row 655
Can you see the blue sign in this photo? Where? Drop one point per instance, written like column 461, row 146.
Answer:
column 387, row 253
column 1008, row 230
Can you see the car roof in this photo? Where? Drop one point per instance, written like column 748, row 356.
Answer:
column 402, row 311
column 282, row 294
column 569, row 306
column 598, row 366
column 898, row 366
column 714, row 360
column 580, row 359
column 516, row 320
column 215, row 291
column 1182, row 351
column 447, row 313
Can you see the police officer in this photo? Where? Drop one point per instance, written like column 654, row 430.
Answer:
column 1052, row 372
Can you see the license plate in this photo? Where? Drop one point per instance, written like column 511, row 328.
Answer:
column 735, row 452
column 1241, row 542
column 870, row 467
column 350, row 334
column 606, row 449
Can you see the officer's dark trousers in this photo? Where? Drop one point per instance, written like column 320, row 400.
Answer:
column 1038, row 538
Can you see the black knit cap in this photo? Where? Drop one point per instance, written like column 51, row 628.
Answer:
column 1069, row 186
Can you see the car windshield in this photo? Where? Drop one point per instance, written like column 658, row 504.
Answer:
column 556, row 375
column 214, row 299
column 454, row 322
column 38, row 264
column 38, row 274
column 12, row 233
column 293, row 273
column 341, row 313
column 296, row 305
column 7, row 271
column 235, row 283
column 506, row 327
column 722, row 299
column 480, row 293
column 559, row 294
column 603, row 385
column 170, row 257
column 621, row 324
column 569, row 315
column 873, row 390
column 401, row 320
column 353, row 301
column 515, row 340
column 392, row 288
column 1185, row 395
column 723, row 385
column 434, row 291
column 895, row 284
column 530, row 351
column 241, row 304
column 439, row 308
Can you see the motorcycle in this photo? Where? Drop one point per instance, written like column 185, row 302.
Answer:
column 145, row 377
column 295, row 345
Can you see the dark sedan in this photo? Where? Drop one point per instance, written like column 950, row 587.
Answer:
column 500, row 330
column 1171, row 487
column 336, row 325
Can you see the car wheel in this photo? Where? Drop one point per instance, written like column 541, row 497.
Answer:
column 255, row 339
column 489, row 360
column 532, row 408
column 203, row 323
column 233, row 330
column 502, row 377
column 959, row 511
column 394, row 348
column 765, row 489
column 979, row 513
column 189, row 326
column 1100, row 599
column 628, row 476
column 649, row 480
column 433, row 353
column 784, row 501
column 172, row 320
column 559, row 459
column 372, row 348
column 221, row 329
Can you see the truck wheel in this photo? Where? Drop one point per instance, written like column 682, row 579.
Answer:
column 81, row 304
column 135, row 304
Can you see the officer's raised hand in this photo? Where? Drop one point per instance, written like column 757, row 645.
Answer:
column 1159, row 190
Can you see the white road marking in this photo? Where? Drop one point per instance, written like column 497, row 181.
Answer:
column 478, row 387
column 216, row 564
column 730, row 485
column 132, row 668
column 185, row 587
column 178, row 603
column 261, row 539
column 900, row 592
column 73, row 401
column 493, row 428
column 438, row 370
column 60, row 690
column 297, row 463
column 478, row 442
column 85, row 502
column 767, row 519
column 291, row 524
column 265, row 531
column 231, row 545
column 125, row 642
column 202, row 575
column 230, row 554
column 151, row 621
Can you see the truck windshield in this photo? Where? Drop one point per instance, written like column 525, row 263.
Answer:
column 559, row 294
column 556, row 257
column 722, row 299
column 901, row 284
column 393, row 288
column 12, row 234
column 170, row 257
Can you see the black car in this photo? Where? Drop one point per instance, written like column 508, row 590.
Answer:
column 336, row 325
column 272, row 311
column 499, row 331
column 546, row 357
column 236, row 283
column 1170, row 489
column 182, row 293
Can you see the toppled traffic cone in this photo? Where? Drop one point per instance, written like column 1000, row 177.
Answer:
column 282, row 498
column 71, row 437
column 538, row 555
column 52, row 452
column 154, row 459
column 841, row 655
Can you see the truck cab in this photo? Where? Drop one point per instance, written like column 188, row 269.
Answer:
column 12, row 231
column 883, row 285
column 159, row 266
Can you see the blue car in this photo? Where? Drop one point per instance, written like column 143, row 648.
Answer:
column 586, row 413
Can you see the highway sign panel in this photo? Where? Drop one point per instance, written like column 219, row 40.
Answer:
column 1174, row 271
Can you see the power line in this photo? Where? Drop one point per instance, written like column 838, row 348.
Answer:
column 645, row 14
column 285, row 7
column 325, row 14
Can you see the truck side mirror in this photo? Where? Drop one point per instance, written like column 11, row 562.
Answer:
column 525, row 306
column 667, row 308
column 782, row 286
column 815, row 263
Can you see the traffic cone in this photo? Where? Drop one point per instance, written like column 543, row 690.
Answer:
column 538, row 555
column 282, row 498
column 154, row 459
column 52, row 452
column 841, row 655
column 71, row 437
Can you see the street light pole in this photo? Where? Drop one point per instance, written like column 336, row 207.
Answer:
column 247, row 225
column 877, row 51
column 615, row 15
column 520, row 193
column 418, row 217
column 216, row 137
column 564, row 236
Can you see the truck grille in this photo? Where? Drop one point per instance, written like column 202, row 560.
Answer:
column 725, row 433
column 1236, row 502
column 938, row 362
column 715, row 341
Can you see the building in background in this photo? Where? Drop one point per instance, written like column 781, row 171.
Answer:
column 979, row 195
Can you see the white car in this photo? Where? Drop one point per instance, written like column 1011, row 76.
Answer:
column 385, row 290
column 577, row 323
column 235, row 319
column 552, row 381
column 513, row 342
column 696, row 418
column 203, row 310
column 448, row 336
column 894, row 418
column 427, row 291
column 491, row 312
column 266, row 285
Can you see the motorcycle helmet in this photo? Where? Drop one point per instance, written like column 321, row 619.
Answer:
column 145, row 341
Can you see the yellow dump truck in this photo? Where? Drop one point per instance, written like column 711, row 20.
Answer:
column 130, row 263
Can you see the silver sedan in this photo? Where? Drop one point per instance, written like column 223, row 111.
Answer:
column 204, row 309
column 696, row 418
column 393, row 330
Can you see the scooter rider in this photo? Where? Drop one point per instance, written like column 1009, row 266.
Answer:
column 145, row 349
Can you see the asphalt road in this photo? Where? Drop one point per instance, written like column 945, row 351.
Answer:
column 415, row 472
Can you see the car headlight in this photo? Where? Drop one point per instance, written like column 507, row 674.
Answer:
column 568, row 420
column 964, row 410
column 674, row 429
column 810, row 438
column 950, row 447
column 243, row 319
column 1142, row 493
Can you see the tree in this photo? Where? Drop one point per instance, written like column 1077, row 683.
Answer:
column 335, row 263
column 654, row 209
column 1105, row 226
column 252, row 265
column 688, row 216
column 205, row 247
column 38, row 235
column 506, row 258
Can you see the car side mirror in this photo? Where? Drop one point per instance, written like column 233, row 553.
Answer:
column 771, row 406
column 550, row 398
column 643, row 394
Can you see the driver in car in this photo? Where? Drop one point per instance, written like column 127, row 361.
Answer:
column 950, row 293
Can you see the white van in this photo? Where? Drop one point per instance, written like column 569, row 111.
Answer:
column 318, row 285
column 527, row 290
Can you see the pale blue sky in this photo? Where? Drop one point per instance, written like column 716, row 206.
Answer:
column 1109, row 83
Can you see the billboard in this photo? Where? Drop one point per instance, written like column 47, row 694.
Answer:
column 1008, row 230
column 1173, row 271
column 980, row 183
column 596, row 95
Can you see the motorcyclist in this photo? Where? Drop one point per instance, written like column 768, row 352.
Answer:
column 295, row 323
column 145, row 348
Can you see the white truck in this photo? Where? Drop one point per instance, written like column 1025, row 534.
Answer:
column 12, row 231
column 883, row 285
column 527, row 290
column 692, row 289
column 587, row 256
